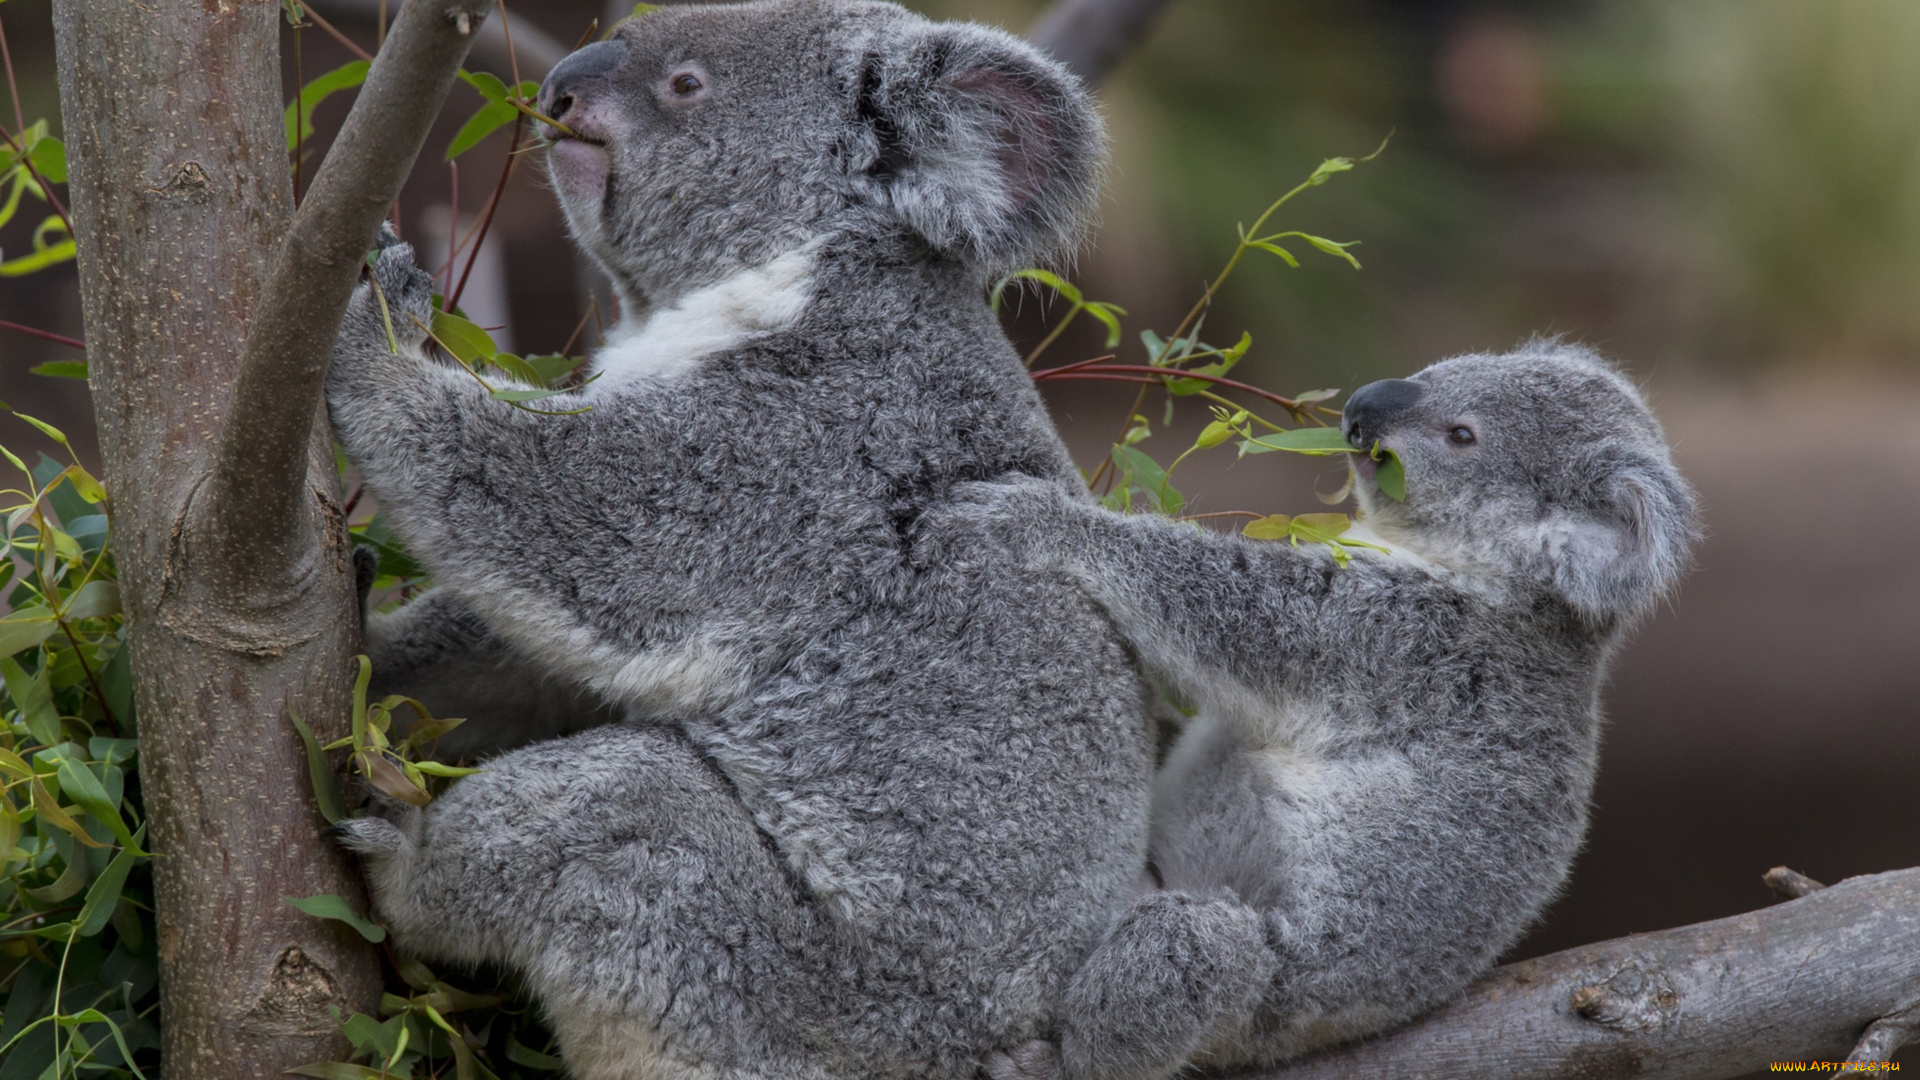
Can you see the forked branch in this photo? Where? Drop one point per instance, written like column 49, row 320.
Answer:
column 258, row 494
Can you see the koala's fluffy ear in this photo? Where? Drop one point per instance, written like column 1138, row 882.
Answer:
column 1619, row 561
column 980, row 143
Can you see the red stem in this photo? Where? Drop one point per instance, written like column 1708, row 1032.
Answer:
column 13, row 88
column 493, row 203
column 453, row 225
column 47, row 334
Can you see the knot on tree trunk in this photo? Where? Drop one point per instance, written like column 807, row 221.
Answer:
column 296, row 997
column 1630, row 999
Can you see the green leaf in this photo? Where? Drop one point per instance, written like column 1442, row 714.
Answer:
column 551, row 367
column 1321, row 527
column 68, row 884
column 490, row 118
column 524, row 395
column 326, row 786
column 1390, row 475
column 1151, row 478
column 61, row 369
column 298, row 118
column 1331, row 166
column 104, row 896
column 1213, row 435
column 84, row 789
column 489, row 86
column 95, row 598
column 645, row 9
column 1048, row 278
column 466, row 341
column 532, row 1059
column 33, row 696
column 517, row 368
column 339, row 1070
column 1333, row 247
column 434, row 768
column 1271, row 527
column 49, row 158
column 1309, row 440
column 1285, row 255
column 329, row 906
column 42, row 258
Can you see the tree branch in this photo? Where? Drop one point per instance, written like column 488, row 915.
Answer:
column 1092, row 36
column 258, row 488
column 538, row 51
column 1831, row 975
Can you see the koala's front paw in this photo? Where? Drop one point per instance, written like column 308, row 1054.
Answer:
column 408, row 294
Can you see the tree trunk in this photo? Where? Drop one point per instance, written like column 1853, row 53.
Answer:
column 181, row 196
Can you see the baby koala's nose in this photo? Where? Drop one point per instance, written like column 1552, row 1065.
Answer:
column 1372, row 409
column 564, row 82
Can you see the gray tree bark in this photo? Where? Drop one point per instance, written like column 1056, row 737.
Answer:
column 1832, row 976
column 210, row 314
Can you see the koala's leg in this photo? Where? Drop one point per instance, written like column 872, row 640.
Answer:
column 618, row 873
column 1174, row 974
column 436, row 650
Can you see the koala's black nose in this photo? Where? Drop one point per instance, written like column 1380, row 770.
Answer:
column 557, row 93
column 1373, row 408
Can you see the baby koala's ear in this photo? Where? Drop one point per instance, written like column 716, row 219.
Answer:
column 1620, row 560
column 988, row 149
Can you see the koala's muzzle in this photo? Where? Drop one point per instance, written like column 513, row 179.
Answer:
column 565, row 81
column 1373, row 408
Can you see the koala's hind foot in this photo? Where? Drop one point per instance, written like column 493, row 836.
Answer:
column 368, row 837
column 1175, row 972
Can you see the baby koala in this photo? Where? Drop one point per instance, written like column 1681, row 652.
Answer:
column 1391, row 760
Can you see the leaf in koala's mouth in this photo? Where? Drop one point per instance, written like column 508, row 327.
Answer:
column 1389, row 474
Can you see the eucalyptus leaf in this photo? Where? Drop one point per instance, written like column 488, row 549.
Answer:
column 329, row 906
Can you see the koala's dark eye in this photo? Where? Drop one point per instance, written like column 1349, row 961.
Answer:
column 1461, row 436
column 686, row 84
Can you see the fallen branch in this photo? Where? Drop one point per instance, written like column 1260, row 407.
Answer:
column 1833, row 976
column 1092, row 36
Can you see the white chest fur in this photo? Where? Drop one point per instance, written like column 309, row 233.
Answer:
column 721, row 316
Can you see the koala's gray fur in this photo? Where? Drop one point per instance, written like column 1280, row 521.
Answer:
column 1392, row 761
column 881, row 805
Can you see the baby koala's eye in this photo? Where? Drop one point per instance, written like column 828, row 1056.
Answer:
column 1461, row 436
column 686, row 84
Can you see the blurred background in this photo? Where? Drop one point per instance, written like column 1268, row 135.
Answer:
column 1724, row 195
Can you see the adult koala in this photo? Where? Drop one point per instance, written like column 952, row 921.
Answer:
column 1392, row 760
column 881, row 805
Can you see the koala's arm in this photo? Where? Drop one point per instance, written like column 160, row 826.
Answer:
column 450, row 463
column 436, row 650
column 1207, row 612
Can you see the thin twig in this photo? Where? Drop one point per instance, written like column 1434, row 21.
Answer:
column 334, row 32
column 1286, row 403
column 486, row 216
column 47, row 334
column 513, row 62
column 13, row 88
column 45, row 188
